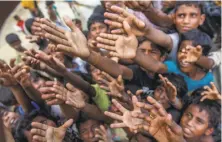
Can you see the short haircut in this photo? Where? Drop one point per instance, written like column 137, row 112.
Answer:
column 77, row 21
column 16, row 17
column 178, row 81
column 48, row 3
column 11, row 38
column 212, row 107
column 24, row 123
column 198, row 4
column 28, row 24
column 6, row 96
column 163, row 50
column 198, row 38
column 95, row 17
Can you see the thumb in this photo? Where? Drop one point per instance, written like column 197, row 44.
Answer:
column 67, row 124
column 69, row 23
column 127, row 28
column 70, row 87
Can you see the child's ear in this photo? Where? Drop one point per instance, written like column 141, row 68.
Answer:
column 162, row 58
column 202, row 19
column 209, row 131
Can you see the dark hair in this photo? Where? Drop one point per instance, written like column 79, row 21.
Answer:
column 95, row 17
column 178, row 81
column 6, row 96
column 212, row 107
column 48, row 3
column 28, row 24
column 162, row 50
column 77, row 21
column 16, row 17
column 198, row 38
column 198, row 4
column 24, row 123
column 11, row 38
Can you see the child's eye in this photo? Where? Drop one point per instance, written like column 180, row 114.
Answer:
column 193, row 15
column 189, row 115
column 181, row 15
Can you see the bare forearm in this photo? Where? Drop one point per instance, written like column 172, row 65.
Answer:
column 21, row 98
column 205, row 62
column 109, row 66
column 34, row 94
column 52, row 72
column 148, row 63
column 81, row 84
column 94, row 112
column 158, row 17
column 69, row 112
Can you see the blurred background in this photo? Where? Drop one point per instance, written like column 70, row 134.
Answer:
column 27, row 9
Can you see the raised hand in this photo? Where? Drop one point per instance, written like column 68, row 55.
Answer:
column 119, row 15
column 49, row 92
column 127, row 118
column 171, row 90
column 71, row 96
column 32, row 38
column 138, row 5
column 44, row 133
column 211, row 93
column 158, row 123
column 192, row 54
column 114, row 87
column 6, row 77
column 21, row 73
column 102, row 135
column 121, row 46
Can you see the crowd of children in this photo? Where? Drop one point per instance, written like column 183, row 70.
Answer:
column 145, row 71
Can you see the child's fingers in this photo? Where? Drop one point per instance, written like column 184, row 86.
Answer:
column 114, row 17
column 107, row 47
column 113, row 23
column 113, row 115
column 119, row 106
column 118, row 31
column 213, row 86
column 106, row 41
column 118, row 125
column 109, row 36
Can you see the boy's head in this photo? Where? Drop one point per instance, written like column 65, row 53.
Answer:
column 192, row 38
column 96, row 25
column 156, row 51
column 14, row 41
column 160, row 93
column 87, row 128
column 17, row 18
column 199, row 118
column 188, row 15
column 78, row 23
column 22, row 131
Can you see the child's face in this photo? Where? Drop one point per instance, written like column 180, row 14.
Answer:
column 188, row 18
column 161, row 96
column 97, row 28
column 185, row 67
column 9, row 119
column 87, row 130
column 195, row 123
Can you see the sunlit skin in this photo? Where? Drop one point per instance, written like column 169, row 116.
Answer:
column 87, row 130
column 147, row 48
column 195, row 123
column 188, row 18
column 96, row 28
column 190, row 69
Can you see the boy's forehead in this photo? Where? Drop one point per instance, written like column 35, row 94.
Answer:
column 188, row 8
column 199, row 112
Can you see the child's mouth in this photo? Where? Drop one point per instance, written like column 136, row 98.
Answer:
column 184, row 63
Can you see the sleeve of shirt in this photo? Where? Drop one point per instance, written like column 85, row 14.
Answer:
column 101, row 99
column 171, row 66
column 216, row 57
column 173, row 52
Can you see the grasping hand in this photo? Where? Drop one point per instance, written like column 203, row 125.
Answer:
column 116, row 19
column 211, row 93
column 158, row 123
column 138, row 5
column 102, row 134
column 171, row 90
column 121, row 46
column 49, row 92
column 44, row 133
column 192, row 54
column 127, row 118
column 6, row 77
column 114, row 87
column 71, row 96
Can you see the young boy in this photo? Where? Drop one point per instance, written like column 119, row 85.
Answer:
column 194, row 76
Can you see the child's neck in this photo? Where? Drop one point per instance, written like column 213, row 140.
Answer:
column 196, row 74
